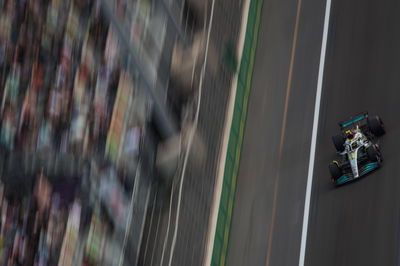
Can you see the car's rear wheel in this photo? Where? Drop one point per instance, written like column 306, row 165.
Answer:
column 335, row 170
column 376, row 126
column 338, row 141
column 373, row 154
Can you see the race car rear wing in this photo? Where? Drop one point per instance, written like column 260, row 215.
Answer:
column 358, row 120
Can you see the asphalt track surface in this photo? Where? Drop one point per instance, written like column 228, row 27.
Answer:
column 269, row 202
column 358, row 224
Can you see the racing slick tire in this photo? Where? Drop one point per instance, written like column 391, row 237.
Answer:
column 335, row 171
column 373, row 154
column 338, row 141
column 376, row 126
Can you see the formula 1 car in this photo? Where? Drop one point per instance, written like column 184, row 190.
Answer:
column 358, row 148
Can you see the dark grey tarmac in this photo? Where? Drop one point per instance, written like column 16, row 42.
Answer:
column 268, row 211
column 358, row 224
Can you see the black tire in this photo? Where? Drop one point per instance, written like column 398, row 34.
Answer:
column 373, row 154
column 335, row 171
column 376, row 126
column 339, row 141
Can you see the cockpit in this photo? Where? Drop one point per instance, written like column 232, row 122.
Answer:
column 352, row 145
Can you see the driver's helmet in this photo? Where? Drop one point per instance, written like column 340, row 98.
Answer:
column 350, row 134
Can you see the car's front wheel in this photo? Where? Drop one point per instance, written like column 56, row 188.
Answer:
column 338, row 141
column 376, row 126
column 374, row 154
column 335, row 170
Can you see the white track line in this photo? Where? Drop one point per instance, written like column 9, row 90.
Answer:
column 191, row 136
column 150, row 227
column 314, row 135
column 173, row 184
column 130, row 216
column 143, row 223
column 155, row 239
column 184, row 167
column 168, row 225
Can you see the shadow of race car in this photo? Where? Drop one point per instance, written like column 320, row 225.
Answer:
column 358, row 148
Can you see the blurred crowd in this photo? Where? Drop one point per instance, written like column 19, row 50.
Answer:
column 59, row 76
column 57, row 224
column 64, row 90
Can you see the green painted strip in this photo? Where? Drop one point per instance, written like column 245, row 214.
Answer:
column 235, row 143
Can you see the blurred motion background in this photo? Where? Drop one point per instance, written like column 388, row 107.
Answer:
column 97, row 99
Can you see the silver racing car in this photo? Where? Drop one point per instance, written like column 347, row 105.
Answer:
column 358, row 148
